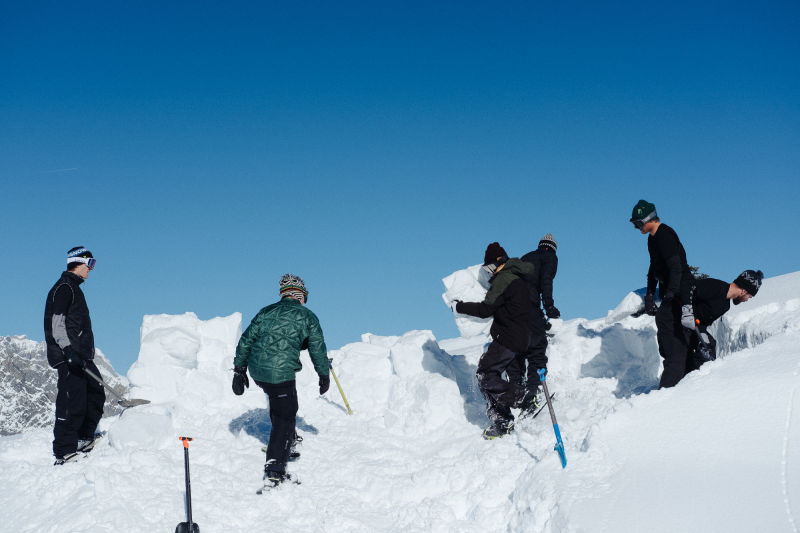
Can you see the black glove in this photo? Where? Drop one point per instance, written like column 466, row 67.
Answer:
column 324, row 384
column 74, row 359
column 240, row 380
column 547, row 325
column 650, row 304
column 454, row 305
column 552, row 311
column 707, row 352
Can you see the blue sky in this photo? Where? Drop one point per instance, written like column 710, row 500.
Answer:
column 202, row 149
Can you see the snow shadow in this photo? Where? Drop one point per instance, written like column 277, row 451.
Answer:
column 256, row 423
column 457, row 368
column 628, row 355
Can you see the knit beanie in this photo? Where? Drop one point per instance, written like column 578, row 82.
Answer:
column 495, row 254
column 549, row 242
column 750, row 280
column 643, row 211
column 291, row 285
column 80, row 254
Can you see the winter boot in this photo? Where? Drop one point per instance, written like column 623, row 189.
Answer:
column 529, row 403
column 498, row 429
column 87, row 445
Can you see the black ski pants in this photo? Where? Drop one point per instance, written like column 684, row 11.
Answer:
column 673, row 344
column 500, row 394
column 79, row 408
column 534, row 356
column 282, row 415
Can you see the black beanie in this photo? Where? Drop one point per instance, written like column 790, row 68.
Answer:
column 495, row 254
column 750, row 280
column 548, row 242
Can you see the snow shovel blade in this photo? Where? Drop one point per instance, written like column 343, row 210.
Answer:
column 183, row 527
column 132, row 403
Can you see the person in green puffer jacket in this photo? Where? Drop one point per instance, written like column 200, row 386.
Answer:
column 270, row 348
column 508, row 301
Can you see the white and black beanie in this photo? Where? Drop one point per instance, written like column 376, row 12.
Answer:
column 294, row 286
column 548, row 242
column 78, row 254
column 750, row 280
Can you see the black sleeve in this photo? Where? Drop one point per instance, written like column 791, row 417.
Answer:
column 480, row 309
column 675, row 272
column 549, row 269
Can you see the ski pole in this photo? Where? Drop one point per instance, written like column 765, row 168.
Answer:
column 559, row 443
column 120, row 400
column 330, row 363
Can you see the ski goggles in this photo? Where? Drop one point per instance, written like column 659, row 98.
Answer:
column 639, row 224
column 491, row 268
column 88, row 261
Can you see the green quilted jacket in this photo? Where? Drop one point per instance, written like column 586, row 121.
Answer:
column 270, row 346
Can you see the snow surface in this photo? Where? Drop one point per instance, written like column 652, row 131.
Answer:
column 719, row 452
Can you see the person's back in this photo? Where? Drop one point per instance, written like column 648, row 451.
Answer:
column 668, row 264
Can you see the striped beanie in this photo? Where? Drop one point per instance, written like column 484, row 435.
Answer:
column 549, row 242
column 293, row 286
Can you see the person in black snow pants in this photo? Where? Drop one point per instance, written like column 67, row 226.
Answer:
column 70, row 349
column 710, row 299
column 508, row 301
column 545, row 262
column 670, row 271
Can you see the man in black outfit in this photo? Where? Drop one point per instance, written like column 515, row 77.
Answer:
column 545, row 262
column 508, row 301
column 70, row 349
column 710, row 299
column 668, row 269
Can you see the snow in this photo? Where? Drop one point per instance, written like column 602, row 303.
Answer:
column 719, row 452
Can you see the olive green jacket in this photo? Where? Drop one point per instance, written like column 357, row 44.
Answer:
column 270, row 346
column 514, row 268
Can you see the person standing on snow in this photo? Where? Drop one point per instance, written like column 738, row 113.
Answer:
column 668, row 269
column 710, row 299
column 270, row 347
column 545, row 262
column 508, row 301
column 70, row 350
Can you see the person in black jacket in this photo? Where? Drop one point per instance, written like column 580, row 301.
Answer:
column 668, row 269
column 710, row 299
column 70, row 349
column 508, row 301
column 545, row 262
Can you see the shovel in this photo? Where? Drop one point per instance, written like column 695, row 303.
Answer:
column 120, row 400
column 189, row 526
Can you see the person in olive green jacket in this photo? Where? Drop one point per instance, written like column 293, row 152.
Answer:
column 270, row 349
column 508, row 301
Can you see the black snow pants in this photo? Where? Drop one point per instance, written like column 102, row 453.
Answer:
column 534, row 356
column 500, row 394
column 79, row 408
column 282, row 413
column 672, row 343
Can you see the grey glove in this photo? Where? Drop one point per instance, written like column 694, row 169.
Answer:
column 687, row 317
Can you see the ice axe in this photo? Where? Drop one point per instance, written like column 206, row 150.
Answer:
column 120, row 400
column 330, row 363
column 189, row 526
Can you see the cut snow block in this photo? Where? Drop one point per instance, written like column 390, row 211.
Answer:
column 142, row 428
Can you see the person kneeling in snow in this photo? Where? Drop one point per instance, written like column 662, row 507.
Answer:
column 270, row 348
column 508, row 301
column 710, row 299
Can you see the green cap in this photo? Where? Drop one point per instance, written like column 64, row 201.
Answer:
column 643, row 210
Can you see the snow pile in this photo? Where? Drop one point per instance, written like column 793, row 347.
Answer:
column 716, row 453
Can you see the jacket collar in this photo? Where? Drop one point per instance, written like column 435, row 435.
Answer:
column 69, row 276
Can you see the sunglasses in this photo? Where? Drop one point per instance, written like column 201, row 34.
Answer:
column 490, row 268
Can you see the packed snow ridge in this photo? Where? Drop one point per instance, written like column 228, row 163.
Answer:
column 719, row 452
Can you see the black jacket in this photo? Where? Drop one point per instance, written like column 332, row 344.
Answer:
column 66, row 320
column 512, row 309
column 541, row 283
column 710, row 300
column 668, row 265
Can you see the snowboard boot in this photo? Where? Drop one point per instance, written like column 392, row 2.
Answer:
column 87, row 445
column 67, row 458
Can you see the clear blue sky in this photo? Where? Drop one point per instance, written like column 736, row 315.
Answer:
column 202, row 149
